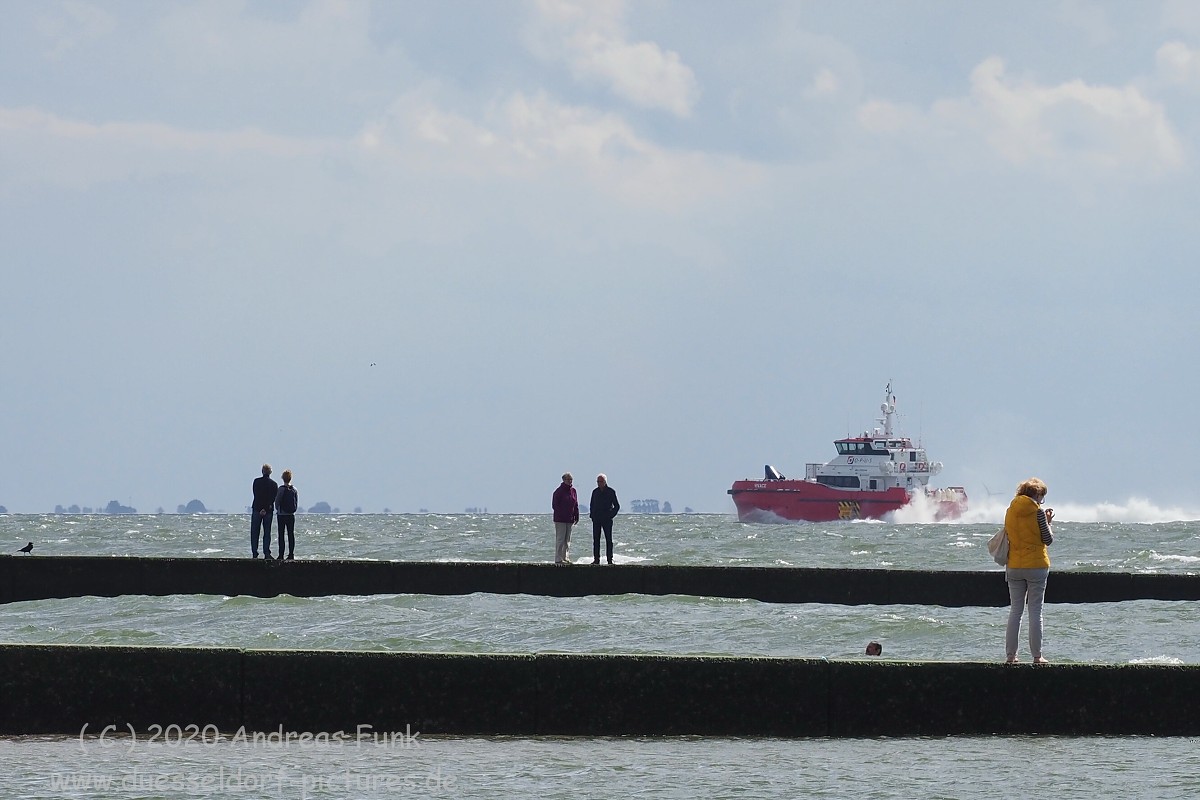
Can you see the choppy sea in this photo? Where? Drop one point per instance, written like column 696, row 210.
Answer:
column 179, row 763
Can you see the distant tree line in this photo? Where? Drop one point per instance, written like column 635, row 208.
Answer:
column 113, row 507
column 192, row 507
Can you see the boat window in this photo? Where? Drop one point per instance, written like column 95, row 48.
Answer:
column 912, row 456
column 840, row 481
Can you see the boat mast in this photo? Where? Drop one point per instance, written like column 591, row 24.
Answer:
column 888, row 407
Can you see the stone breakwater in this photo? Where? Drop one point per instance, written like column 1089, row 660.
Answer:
column 288, row 698
column 24, row 578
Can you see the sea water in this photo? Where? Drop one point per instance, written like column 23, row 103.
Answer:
column 202, row 762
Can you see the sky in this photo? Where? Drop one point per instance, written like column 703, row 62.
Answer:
column 431, row 255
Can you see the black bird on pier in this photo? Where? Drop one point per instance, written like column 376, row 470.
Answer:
column 27, row 548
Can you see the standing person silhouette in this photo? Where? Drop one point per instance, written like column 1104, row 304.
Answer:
column 260, row 511
column 1029, row 536
column 287, row 500
column 566, row 513
column 602, row 509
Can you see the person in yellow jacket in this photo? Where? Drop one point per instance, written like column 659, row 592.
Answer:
column 1029, row 535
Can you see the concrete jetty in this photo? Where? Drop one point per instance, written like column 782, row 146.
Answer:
column 24, row 578
column 209, row 694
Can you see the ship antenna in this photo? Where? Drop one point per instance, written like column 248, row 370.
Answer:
column 921, row 424
column 889, row 410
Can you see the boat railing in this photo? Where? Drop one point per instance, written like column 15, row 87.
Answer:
column 950, row 494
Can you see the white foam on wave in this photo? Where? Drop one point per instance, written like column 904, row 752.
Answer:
column 1182, row 559
column 1170, row 661
column 990, row 510
column 919, row 510
column 1134, row 510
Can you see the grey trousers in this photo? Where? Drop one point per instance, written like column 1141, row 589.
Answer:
column 1025, row 587
column 562, row 541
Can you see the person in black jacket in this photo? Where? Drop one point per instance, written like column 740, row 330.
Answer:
column 262, row 510
column 287, row 500
column 603, row 508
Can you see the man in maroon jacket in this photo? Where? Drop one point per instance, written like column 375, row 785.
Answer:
column 566, row 513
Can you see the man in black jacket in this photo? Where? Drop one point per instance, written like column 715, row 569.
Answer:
column 261, row 511
column 603, row 508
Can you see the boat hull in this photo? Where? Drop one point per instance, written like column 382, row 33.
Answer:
column 808, row 501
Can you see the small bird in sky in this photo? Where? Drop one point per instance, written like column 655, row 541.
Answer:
column 27, row 548
column 372, row 363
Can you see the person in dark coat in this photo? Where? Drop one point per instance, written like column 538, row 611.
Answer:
column 602, row 510
column 262, row 510
column 287, row 501
column 566, row 513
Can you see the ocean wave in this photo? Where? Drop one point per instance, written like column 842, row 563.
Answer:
column 1182, row 559
column 1133, row 511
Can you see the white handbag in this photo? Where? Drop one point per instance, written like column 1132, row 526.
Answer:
column 998, row 547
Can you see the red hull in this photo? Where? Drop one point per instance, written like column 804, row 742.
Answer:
column 806, row 501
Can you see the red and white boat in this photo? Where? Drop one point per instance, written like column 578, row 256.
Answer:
column 873, row 475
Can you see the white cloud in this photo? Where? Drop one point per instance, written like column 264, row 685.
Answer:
column 591, row 40
column 824, row 84
column 1072, row 124
column 533, row 137
column 152, row 135
column 71, row 152
column 1178, row 64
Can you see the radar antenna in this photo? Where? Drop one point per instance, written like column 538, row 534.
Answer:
column 888, row 407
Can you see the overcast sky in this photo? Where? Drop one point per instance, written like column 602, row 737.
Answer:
column 433, row 254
